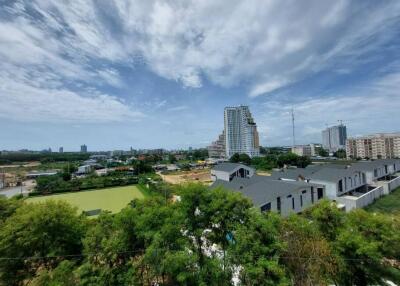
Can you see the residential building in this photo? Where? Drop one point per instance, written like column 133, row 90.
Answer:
column 61, row 150
column 268, row 194
column 304, row 150
column 334, row 138
column 352, row 186
column 83, row 148
column 217, row 148
column 241, row 134
column 376, row 146
column 228, row 171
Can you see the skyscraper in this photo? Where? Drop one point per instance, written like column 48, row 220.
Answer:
column 61, row 150
column 241, row 134
column 334, row 138
column 83, row 148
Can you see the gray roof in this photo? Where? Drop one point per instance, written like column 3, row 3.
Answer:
column 332, row 174
column 292, row 174
column 228, row 167
column 262, row 189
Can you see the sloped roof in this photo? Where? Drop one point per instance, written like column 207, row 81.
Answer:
column 228, row 167
column 262, row 189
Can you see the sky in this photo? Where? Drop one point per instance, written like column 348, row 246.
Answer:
column 115, row 74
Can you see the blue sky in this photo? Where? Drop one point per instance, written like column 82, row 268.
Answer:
column 157, row 74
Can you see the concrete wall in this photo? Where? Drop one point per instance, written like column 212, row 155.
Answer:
column 299, row 197
column 219, row 175
column 352, row 202
column 393, row 184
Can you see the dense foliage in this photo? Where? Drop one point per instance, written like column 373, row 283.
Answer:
column 205, row 238
column 269, row 162
column 61, row 183
column 6, row 158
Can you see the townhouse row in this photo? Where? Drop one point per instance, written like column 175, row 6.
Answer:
column 293, row 190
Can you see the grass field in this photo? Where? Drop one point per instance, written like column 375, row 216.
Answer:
column 111, row 199
column 386, row 204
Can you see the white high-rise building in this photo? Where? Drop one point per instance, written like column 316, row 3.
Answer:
column 241, row 134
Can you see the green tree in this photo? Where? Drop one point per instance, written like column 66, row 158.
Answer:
column 308, row 256
column 322, row 152
column 256, row 248
column 42, row 232
column 341, row 154
column 235, row 158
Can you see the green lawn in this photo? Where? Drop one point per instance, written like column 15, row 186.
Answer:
column 386, row 204
column 111, row 199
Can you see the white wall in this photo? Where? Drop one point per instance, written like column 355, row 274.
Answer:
column 352, row 202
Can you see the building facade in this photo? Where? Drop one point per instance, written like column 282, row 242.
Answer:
column 217, row 148
column 376, row 146
column 334, row 138
column 304, row 150
column 241, row 134
column 83, row 148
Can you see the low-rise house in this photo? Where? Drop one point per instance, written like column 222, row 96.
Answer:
column 355, row 185
column 228, row 171
column 284, row 197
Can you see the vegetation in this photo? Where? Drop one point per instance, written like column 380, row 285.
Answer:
column 61, row 183
column 341, row 154
column 269, row 162
column 155, row 241
column 9, row 158
column 386, row 204
column 110, row 199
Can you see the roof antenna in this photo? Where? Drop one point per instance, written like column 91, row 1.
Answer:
column 294, row 137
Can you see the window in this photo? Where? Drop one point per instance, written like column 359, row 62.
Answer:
column 266, row 207
column 278, row 204
column 312, row 195
column 320, row 193
column 292, row 203
column 304, row 192
column 301, row 200
column 340, row 186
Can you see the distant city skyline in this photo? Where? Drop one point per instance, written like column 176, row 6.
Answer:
column 155, row 74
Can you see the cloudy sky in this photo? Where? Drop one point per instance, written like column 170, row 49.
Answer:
column 149, row 74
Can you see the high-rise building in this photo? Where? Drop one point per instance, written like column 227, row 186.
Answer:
column 241, row 134
column 83, row 148
column 61, row 150
column 217, row 148
column 334, row 138
column 376, row 146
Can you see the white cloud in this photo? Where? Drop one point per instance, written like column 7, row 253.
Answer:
column 265, row 45
column 368, row 109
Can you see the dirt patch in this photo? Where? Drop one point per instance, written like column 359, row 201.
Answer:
column 202, row 176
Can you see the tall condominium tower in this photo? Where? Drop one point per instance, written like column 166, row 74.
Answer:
column 241, row 134
column 334, row 138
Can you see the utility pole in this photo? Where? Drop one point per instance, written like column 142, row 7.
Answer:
column 293, row 133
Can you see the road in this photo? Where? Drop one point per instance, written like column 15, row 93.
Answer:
column 10, row 192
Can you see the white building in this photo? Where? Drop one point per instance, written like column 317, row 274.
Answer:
column 241, row 134
column 228, row 171
column 334, row 138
